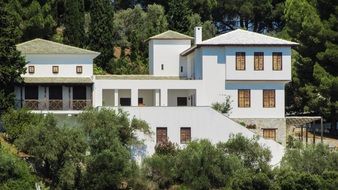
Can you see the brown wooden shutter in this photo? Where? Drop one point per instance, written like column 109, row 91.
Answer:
column 244, row 98
column 161, row 135
column 269, row 134
column 240, row 60
column 277, row 61
column 259, row 61
column 185, row 135
column 269, row 98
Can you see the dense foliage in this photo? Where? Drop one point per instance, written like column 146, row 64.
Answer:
column 97, row 153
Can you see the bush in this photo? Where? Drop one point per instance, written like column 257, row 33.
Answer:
column 18, row 122
column 223, row 107
column 14, row 173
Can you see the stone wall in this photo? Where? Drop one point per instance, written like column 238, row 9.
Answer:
column 258, row 124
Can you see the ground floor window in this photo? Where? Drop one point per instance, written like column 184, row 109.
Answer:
column 269, row 134
column 185, row 135
column 125, row 101
column 161, row 135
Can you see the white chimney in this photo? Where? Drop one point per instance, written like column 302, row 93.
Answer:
column 198, row 35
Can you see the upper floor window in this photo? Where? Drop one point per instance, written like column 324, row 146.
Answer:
column 244, row 98
column 240, row 60
column 181, row 69
column 55, row 69
column 161, row 135
column 185, row 135
column 259, row 61
column 162, row 67
column 269, row 98
column 269, row 134
column 31, row 69
column 277, row 61
column 78, row 69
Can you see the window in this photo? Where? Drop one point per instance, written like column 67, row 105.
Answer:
column 32, row 92
column 243, row 98
column 269, row 134
column 125, row 101
column 55, row 69
column 161, row 135
column 277, row 61
column 162, row 66
column 78, row 69
column 79, row 92
column 269, row 98
column 31, row 69
column 182, row 101
column 259, row 61
column 181, row 69
column 140, row 102
column 185, row 135
column 240, row 60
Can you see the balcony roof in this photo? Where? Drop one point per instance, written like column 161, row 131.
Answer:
column 57, row 80
column 136, row 77
column 41, row 46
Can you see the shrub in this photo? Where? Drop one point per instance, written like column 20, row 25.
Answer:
column 223, row 107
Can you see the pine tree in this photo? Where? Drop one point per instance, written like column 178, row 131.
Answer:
column 74, row 23
column 11, row 62
column 101, row 32
column 178, row 15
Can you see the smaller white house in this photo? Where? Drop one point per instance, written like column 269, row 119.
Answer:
column 184, row 81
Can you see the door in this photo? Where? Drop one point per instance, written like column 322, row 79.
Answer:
column 182, row 101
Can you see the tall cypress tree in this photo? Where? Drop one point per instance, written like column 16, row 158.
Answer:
column 101, row 32
column 11, row 62
column 74, row 23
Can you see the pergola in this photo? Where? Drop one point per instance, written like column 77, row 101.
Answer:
column 301, row 121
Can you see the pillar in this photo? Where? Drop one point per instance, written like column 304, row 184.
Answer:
column 164, row 97
column 157, row 97
column 134, row 97
column 97, row 97
column 116, row 97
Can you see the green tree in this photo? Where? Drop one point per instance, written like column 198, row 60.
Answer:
column 14, row 173
column 315, row 84
column 178, row 14
column 74, row 19
column 11, row 62
column 101, row 32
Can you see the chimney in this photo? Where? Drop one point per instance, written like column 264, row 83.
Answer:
column 198, row 35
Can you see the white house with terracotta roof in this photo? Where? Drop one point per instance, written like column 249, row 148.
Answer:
column 183, row 82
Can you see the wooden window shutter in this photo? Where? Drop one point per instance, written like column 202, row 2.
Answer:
column 277, row 61
column 240, row 60
column 161, row 135
column 244, row 98
column 269, row 98
column 185, row 135
column 258, row 61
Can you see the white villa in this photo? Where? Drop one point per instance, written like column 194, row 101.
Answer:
column 184, row 81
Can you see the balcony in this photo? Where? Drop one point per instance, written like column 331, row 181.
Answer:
column 33, row 104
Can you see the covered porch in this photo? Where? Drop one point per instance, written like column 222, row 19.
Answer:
column 148, row 97
column 59, row 95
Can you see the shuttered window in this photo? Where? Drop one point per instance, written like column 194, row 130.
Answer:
column 185, row 135
column 269, row 98
column 55, row 69
column 277, row 61
column 161, row 135
column 240, row 60
column 243, row 98
column 78, row 69
column 269, row 134
column 259, row 61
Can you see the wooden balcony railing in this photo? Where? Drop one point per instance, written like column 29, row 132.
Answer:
column 33, row 104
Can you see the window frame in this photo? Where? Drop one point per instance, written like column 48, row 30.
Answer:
column 238, row 66
column 260, row 62
column 267, row 133
column 55, row 69
column 79, row 69
column 269, row 105
column 159, row 136
column 277, row 54
column 185, row 137
column 31, row 69
column 239, row 104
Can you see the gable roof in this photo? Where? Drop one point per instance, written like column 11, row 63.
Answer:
column 244, row 37
column 41, row 46
column 170, row 35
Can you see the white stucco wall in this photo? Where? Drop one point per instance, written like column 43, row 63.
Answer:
column 166, row 52
column 67, row 65
column 249, row 73
column 256, row 109
column 199, row 119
